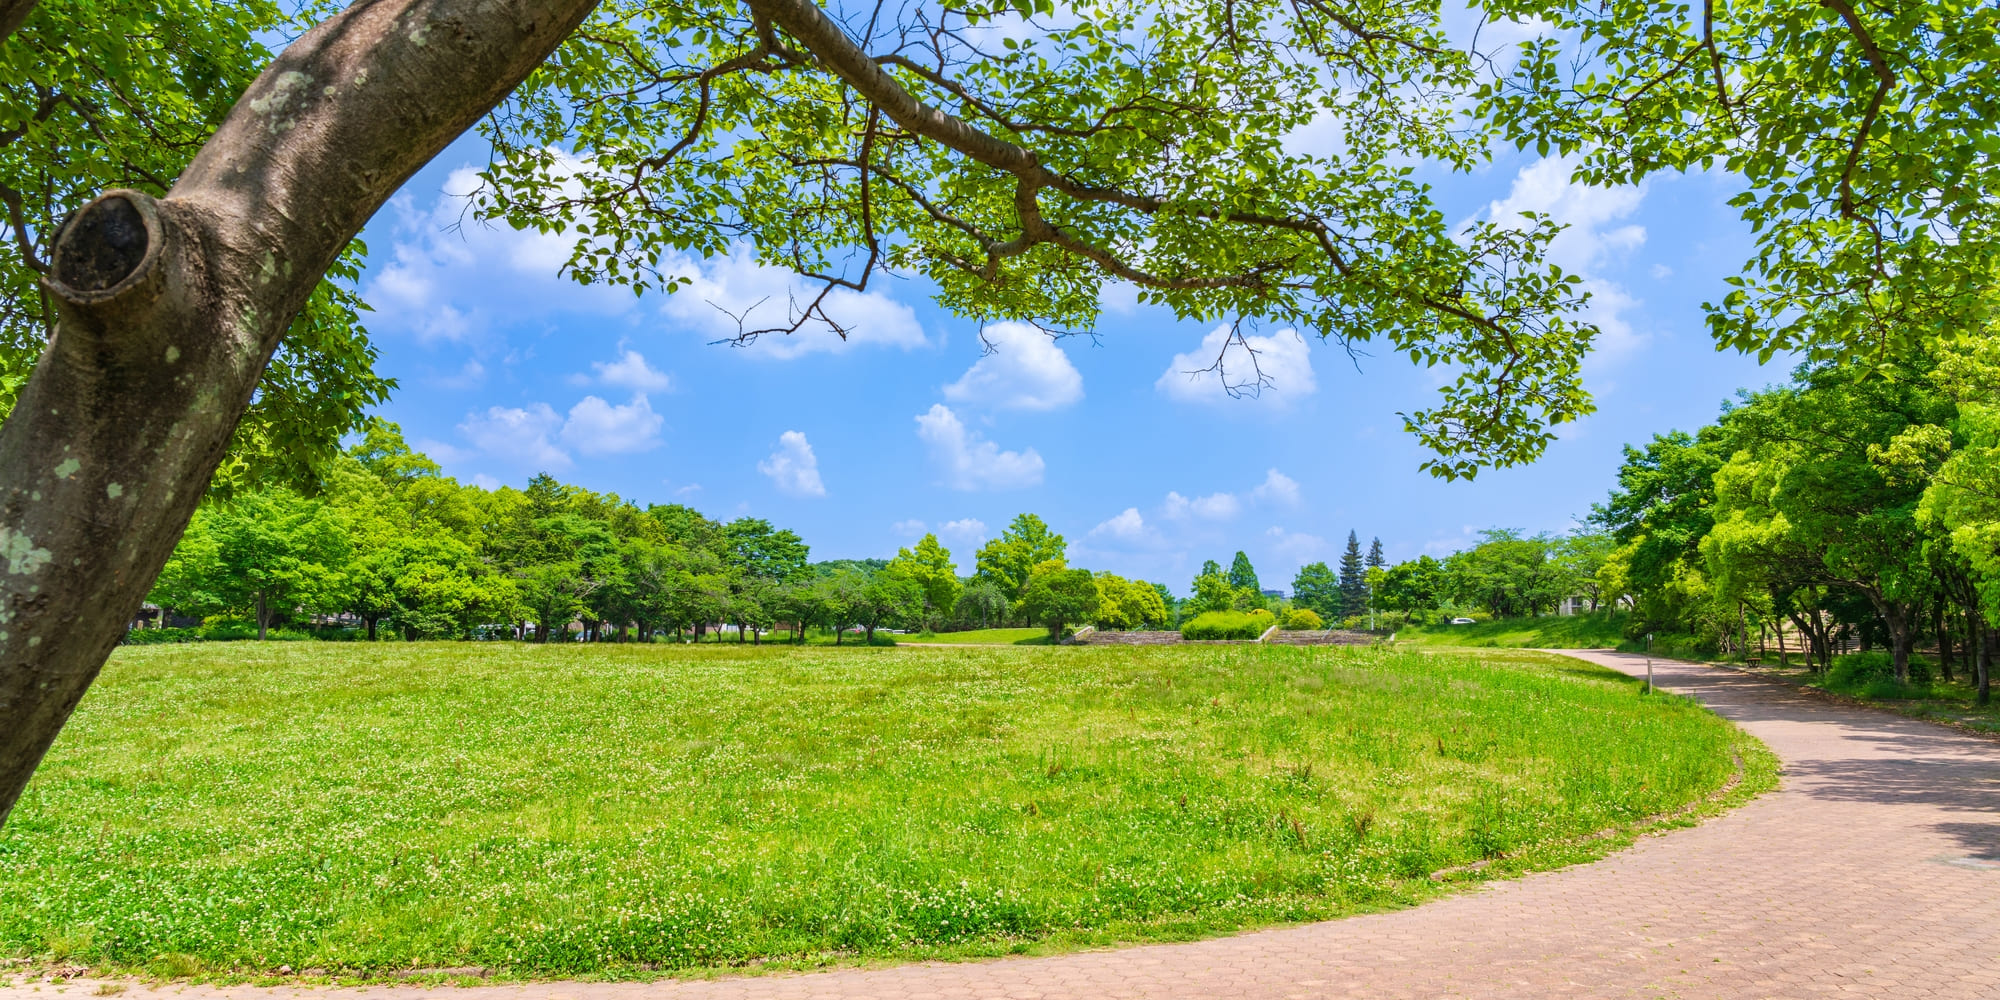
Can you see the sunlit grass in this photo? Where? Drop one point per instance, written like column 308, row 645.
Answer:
column 986, row 637
column 614, row 810
column 1599, row 630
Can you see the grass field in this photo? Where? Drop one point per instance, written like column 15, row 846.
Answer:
column 1589, row 631
column 220, row 810
column 985, row 637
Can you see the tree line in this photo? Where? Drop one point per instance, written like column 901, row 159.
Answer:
column 1859, row 503
column 391, row 542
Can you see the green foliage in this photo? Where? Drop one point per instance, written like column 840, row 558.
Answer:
column 1316, row 587
column 1151, row 140
column 1353, row 584
column 1128, row 604
column 318, row 815
column 1007, row 561
column 1242, row 576
column 931, row 569
column 1864, row 136
column 1603, row 630
column 1226, row 625
column 121, row 94
column 1057, row 598
column 1303, row 620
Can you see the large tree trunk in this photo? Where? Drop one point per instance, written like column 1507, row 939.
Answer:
column 1984, row 670
column 168, row 310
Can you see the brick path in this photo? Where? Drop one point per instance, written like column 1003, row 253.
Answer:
column 1874, row 871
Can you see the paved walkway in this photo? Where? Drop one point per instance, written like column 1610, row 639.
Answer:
column 1874, row 871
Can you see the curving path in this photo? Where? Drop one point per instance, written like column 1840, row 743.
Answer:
column 1874, row 871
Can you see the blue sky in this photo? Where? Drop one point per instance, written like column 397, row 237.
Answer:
column 508, row 369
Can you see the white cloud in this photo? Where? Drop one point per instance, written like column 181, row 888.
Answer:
column 536, row 435
column 726, row 296
column 910, row 529
column 449, row 277
column 1296, row 546
column 485, row 482
column 969, row 461
column 631, row 371
column 596, row 427
column 966, row 529
column 1282, row 358
column 793, row 467
column 1129, row 525
column 1592, row 239
column 1024, row 371
column 1213, row 507
column 519, row 433
column 1277, row 488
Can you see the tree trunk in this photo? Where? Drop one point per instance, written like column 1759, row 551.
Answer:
column 167, row 311
column 370, row 620
column 263, row 616
column 1984, row 669
column 1939, row 618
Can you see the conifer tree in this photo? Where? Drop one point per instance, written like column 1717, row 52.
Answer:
column 1375, row 558
column 1243, row 576
column 1353, row 582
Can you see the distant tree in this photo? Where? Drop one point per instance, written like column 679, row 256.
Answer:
column 931, row 569
column 1316, row 587
column 1210, row 567
column 1412, row 588
column 1375, row 558
column 887, row 601
column 1127, row 604
column 981, row 604
column 1242, row 576
column 1353, row 582
column 266, row 552
column 1008, row 559
column 1210, row 592
column 1056, row 598
column 756, row 549
column 1167, row 602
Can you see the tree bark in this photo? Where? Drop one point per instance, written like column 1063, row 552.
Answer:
column 13, row 14
column 263, row 616
column 1987, row 637
column 168, row 310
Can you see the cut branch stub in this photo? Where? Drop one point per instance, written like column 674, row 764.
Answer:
column 106, row 248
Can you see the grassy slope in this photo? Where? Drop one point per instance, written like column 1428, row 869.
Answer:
column 1594, row 631
column 220, row 810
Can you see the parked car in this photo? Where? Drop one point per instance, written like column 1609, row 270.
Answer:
column 1463, row 621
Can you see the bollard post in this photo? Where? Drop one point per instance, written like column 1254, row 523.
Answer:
column 1649, row 675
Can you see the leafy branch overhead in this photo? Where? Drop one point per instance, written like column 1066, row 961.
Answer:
column 1020, row 159
column 1863, row 135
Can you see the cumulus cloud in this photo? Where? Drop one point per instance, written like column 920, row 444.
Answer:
column 1593, row 239
column 536, row 435
column 1295, row 545
column 596, row 427
column 968, row 461
column 1128, row 526
column 448, row 277
column 910, row 529
column 793, row 467
column 1024, row 371
column 1277, row 488
column 1213, row 507
column 630, row 371
column 726, row 296
column 965, row 529
column 1282, row 358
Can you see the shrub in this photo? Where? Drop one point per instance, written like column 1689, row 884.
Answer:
column 1227, row 625
column 1303, row 620
column 156, row 636
column 1873, row 673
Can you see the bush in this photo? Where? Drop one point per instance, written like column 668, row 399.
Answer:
column 1303, row 620
column 1873, row 673
column 1227, row 625
column 157, row 636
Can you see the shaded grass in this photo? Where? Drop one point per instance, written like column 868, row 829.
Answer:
column 622, row 811
column 1601, row 630
column 1954, row 702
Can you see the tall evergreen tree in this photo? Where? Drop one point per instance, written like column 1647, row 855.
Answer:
column 1353, row 582
column 1375, row 554
column 1242, row 576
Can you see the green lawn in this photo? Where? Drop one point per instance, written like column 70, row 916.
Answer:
column 986, row 637
column 1590, row 631
column 350, row 810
